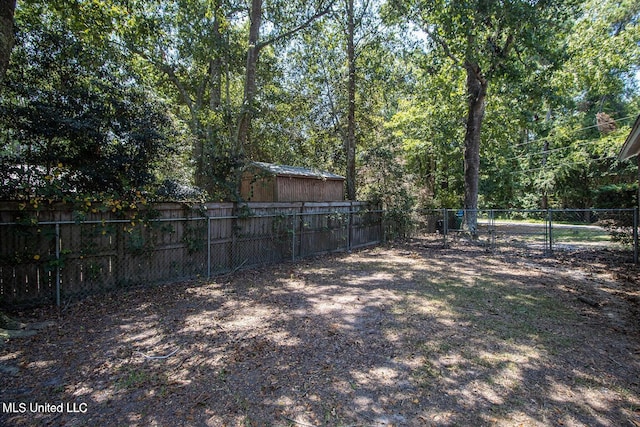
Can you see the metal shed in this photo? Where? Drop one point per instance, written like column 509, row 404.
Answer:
column 267, row 182
column 631, row 145
column 631, row 148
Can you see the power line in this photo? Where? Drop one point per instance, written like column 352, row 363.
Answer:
column 574, row 145
column 573, row 163
column 550, row 137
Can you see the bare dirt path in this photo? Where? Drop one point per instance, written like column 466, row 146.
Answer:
column 403, row 335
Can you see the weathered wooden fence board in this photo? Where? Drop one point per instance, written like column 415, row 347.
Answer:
column 43, row 252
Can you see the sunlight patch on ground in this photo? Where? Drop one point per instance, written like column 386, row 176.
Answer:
column 147, row 337
column 384, row 336
column 378, row 375
column 247, row 318
column 285, row 339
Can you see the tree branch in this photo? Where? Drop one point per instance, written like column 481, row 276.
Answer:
column 501, row 53
column 294, row 30
column 170, row 72
column 165, row 68
column 443, row 44
column 7, row 10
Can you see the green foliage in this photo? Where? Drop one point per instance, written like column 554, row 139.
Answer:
column 539, row 139
column 616, row 196
column 428, row 126
column 385, row 183
column 172, row 190
column 579, row 155
column 486, row 49
column 74, row 124
column 194, row 55
column 603, row 51
column 130, row 101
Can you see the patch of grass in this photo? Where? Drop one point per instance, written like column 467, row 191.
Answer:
column 432, row 348
column 222, row 374
column 587, row 381
column 137, row 377
column 132, row 378
column 580, row 235
column 485, row 329
column 506, row 309
column 426, row 374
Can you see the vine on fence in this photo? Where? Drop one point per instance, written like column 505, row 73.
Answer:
column 195, row 238
column 101, row 245
column 282, row 226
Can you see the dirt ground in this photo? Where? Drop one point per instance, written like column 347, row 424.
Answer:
column 406, row 335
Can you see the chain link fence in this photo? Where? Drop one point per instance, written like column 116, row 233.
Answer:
column 540, row 232
column 53, row 257
column 52, row 261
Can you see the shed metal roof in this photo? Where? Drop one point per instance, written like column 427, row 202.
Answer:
column 631, row 145
column 294, row 171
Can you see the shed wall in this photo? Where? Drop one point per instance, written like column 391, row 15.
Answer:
column 291, row 189
column 258, row 190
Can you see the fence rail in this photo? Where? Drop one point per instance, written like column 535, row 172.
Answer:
column 51, row 257
column 542, row 231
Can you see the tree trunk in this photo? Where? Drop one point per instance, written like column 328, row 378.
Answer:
column 350, row 143
column 7, row 9
column 211, row 148
column 476, row 93
column 215, row 71
column 246, row 113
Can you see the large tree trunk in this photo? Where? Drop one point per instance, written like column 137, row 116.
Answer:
column 476, row 93
column 7, row 9
column 350, row 143
column 255, row 45
column 215, row 64
column 246, row 113
column 210, row 148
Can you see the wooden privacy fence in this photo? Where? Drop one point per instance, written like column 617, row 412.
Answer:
column 52, row 255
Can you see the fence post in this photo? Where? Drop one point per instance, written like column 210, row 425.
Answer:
column 350, row 225
column 382, row 231
column 58, row 264
column 492, row 227
column 293, row 236
column 550, row 230
column 208, row 247
column 300, row 224
column 445, row 226
column 635, row 235
column 233, row 250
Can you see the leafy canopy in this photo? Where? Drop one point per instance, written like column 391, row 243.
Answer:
column 74, row 121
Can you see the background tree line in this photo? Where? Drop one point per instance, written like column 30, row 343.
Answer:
column 503, row 104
